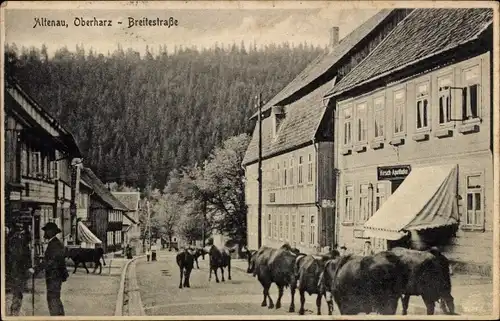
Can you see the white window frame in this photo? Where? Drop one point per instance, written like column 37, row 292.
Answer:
column 380, row 189
column 269, row 225
column 286, row 226
column 278, row 175
column 280, row 226
column 469, row 81
column 275, row 225
column 285, row 172
column 312, row 228
column 294, row 225
column 302, row 226
column 348, row 203
column 300, row 170
column 477, row 216
column 310, row 169
column 24, row 160
column 361, row 122
column 422, row 94
column 444, row 100
column 379, row 117
column 399, row 112
column 290, row 174
column 347, row 120
column 363, row 203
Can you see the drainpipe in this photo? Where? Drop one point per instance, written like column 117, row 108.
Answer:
column 316, row 194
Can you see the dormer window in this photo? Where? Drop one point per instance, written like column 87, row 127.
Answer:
column 278, row 118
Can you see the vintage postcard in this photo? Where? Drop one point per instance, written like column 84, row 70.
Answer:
column 249, row 159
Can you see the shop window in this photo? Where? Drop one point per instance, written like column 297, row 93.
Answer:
column 380, row 195
column 470, row 93
column 300, row 167
column 290, row 178
column 364, row 212
column 378, row 118
column 302, row 227
column 474, row 216
column 422, row 104
column 269, row 225
column 399, row 112
column 361, row 112
column 348, row 196
column 312, row 229
column 347, row 126
column 444, row 102
column 310, row 169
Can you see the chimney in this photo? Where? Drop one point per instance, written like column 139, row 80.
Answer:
column 334, row 36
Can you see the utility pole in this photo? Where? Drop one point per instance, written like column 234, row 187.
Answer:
column 149, row 223
column 204, row 221
column 259, row 208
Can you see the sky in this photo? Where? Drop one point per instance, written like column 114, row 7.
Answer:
column 197, row 25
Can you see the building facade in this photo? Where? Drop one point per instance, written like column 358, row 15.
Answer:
column 38, row 154
column 298, row 168
column 415, row 137
column 131, row 227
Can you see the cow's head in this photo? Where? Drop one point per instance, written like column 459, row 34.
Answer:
column 251, row 256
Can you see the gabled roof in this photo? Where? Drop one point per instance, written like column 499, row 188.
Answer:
column 421, row 35
column 299, row 127
column 129, row 199
column 101, row 190
column 323, row 63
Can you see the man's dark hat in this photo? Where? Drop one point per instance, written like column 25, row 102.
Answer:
column 51, row 226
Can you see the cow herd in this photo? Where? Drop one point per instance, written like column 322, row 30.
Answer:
column 358, row 284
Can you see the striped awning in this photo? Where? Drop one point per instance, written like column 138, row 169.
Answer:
column 426, row 199
column 86, row 235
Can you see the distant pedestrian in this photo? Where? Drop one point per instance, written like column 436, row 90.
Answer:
column 153, row 252
column 148, row 253
column 55, row 268
column 128, row 251
column 17, row 264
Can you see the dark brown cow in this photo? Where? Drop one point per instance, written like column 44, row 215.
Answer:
column 220, row 257
column 83, row 255
column 273, row 266
column 185, row 261
column 365, row 284
column 429, row 277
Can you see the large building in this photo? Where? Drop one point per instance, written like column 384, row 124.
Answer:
column 414, row 139
column 299, row 179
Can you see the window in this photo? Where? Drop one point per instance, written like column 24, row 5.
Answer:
column 399, row 112
column 309, row 169
column 470, row 94
column 475, row 211
column 285, row 172
column 444, row 100
column 300, row 169
column 290, row 178
column 379, row 196
column 347, row 126
column 363, row 203
column 423, row 106
column 36, row 166
column 109, row 238
column 286, row 233
column 294, row 224
column 278, row 181
column 349, row 215
column 269, row 225
column 361, row 122
column 280, row 224
column 275, row 225
column 378, row 118
column 312, row 229
column 302, row 227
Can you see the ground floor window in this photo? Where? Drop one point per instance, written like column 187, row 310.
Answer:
column 269, row 225
column 294, row 229
column 302, row 227
column 109, row 238
column 312, row 229
column 474, row 214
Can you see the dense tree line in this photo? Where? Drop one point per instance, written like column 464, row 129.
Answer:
column 137, row 118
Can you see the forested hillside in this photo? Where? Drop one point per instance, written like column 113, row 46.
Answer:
column 138, row 117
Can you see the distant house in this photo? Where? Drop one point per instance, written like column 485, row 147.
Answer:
column 131, row 227
column 84, row 236
column 105, row 213
column 298, row 167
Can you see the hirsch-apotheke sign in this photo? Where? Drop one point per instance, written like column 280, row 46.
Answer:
column 393, row 172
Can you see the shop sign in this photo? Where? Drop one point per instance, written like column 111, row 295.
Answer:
column 393, row 172
column 15, row 196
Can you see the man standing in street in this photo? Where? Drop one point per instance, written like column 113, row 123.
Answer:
column 17, row 263
column 55, row 268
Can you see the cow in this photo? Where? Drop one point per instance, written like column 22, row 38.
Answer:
column 197, row 252
column 365, row 284
column 185, row 260
column 83, row 255
column 429, row 277
column 219, row 258
column 307, row 272
column 273, row 266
